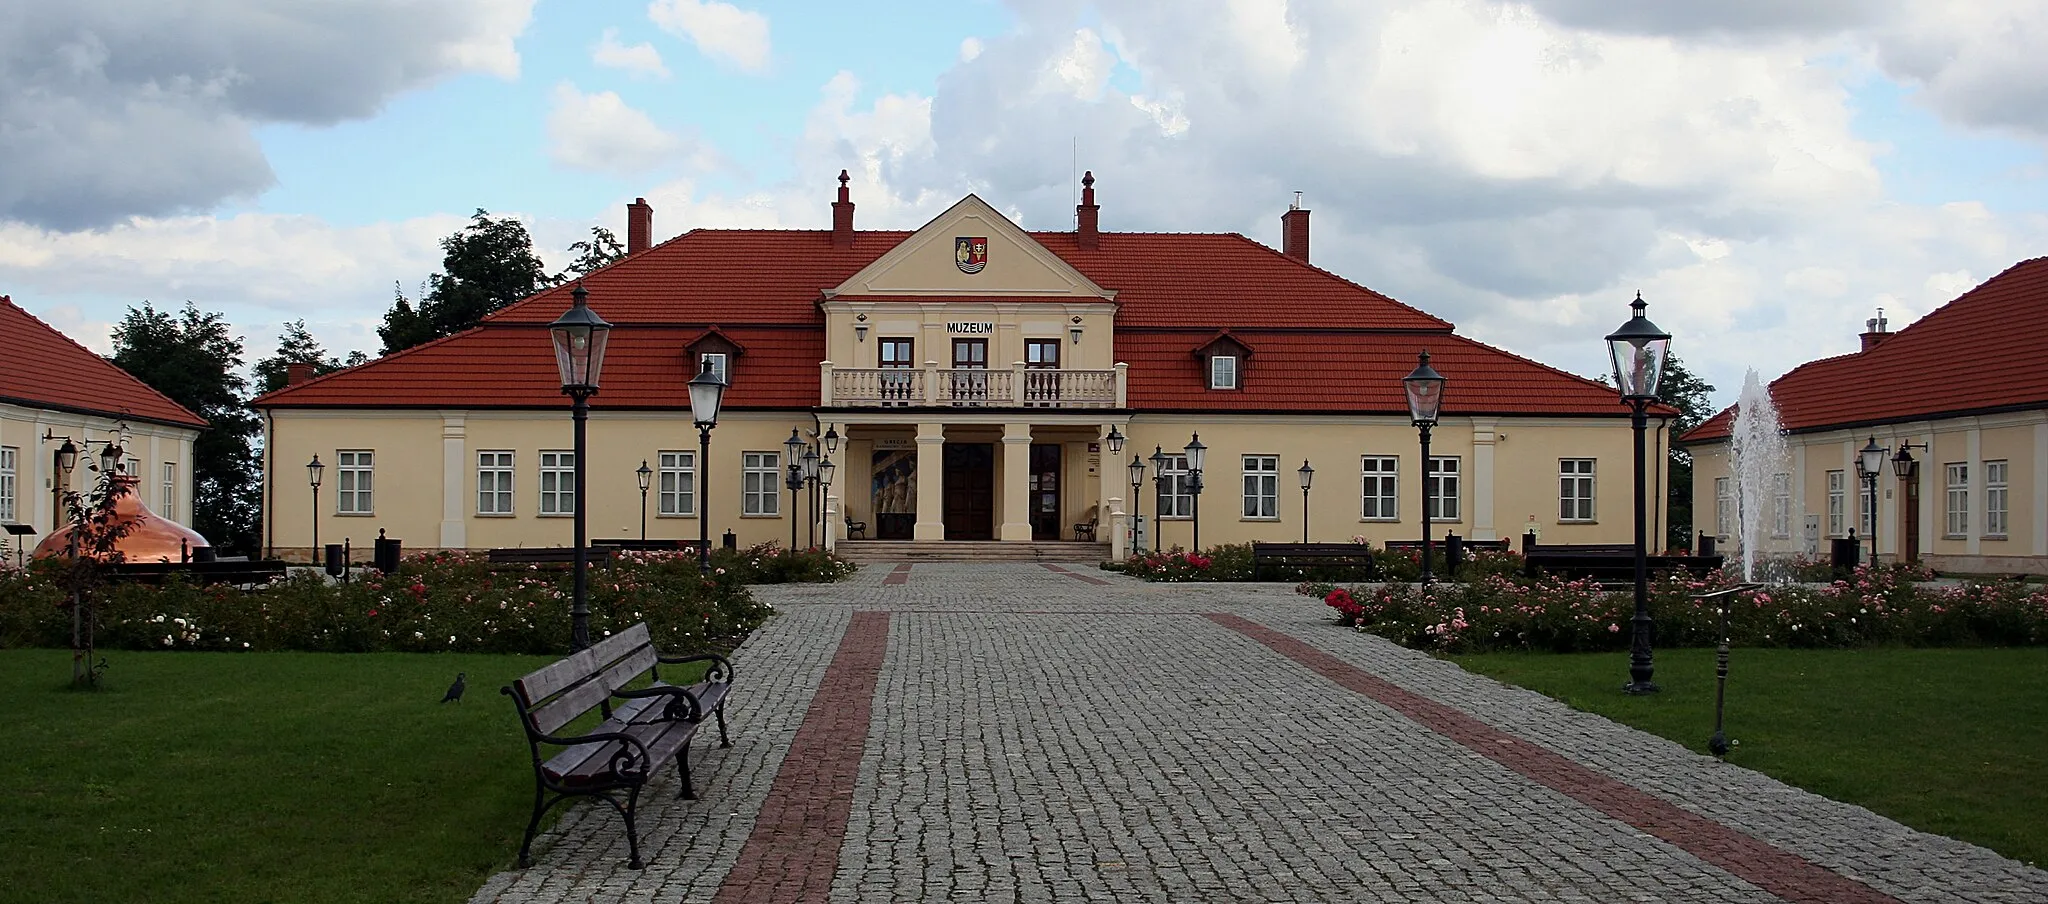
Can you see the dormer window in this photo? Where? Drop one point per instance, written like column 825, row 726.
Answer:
column 716, row 361
column 1223, row 372
column 713, row 349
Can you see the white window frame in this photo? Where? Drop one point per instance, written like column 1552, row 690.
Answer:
column 1442, row 488
column 1175, row 496
column 1261, row 488
column 168, row 506
column 557, row 483
column 1724, row 505
column 1997, row 495
column 761, row 484
column 720, row 364
column 1379, row 488
column 10, row 463
column 677, row 484
column 1957, row 511
column 1838, row 511
column 355, row 482
column 1575, row 488
column 496, row 477
column 132, row 467
column 1223, row 372
column 1781, row 505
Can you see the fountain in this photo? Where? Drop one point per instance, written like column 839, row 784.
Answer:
column 1756, row 453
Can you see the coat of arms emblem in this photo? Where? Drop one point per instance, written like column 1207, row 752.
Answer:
column 970, row 253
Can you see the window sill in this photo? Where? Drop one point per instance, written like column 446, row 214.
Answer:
column 355, row 514
column 497, row 514
column 1578, row 521
column 688, row 517
column 1264, row 518
column 1379, row 521
column 1995, row 537
column 554, row 514
column 773, row 517
column 1944, row 537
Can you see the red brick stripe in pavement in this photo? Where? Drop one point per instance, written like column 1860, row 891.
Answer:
column 898, row 575
column 794, row 848
column 1777, row 871
column 1087, row 579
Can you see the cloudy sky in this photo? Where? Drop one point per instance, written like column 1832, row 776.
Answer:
column 1767, row 173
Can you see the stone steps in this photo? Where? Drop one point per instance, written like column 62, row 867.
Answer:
column 870, row 552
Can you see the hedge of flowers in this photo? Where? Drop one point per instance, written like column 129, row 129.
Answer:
column 1233, row 562
column 450, row 601
column 1887, row 604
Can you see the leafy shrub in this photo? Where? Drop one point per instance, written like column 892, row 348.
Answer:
column 771, row 564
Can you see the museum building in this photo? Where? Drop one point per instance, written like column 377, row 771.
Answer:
column 966, row 381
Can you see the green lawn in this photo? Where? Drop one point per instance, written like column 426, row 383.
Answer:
column 259, row 777
column 1950, row 741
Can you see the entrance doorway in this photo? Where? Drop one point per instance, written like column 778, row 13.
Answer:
column 893, row 494
column 970, row 478
column 1045, row 491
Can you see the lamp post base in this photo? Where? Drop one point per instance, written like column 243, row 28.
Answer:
column 1640, row 688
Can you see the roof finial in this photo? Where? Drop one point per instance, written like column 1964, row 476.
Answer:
column 1088, row 179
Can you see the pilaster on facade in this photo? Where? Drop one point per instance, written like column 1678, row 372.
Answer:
column 931, row 483
column 1016, row 483
column 454, row 457
column 1484, row 436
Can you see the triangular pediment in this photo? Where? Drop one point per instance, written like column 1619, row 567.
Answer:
column 971, row 249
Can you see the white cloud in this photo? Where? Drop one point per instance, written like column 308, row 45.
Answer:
column 721, row 31
column 600, row 133
column 640, row 59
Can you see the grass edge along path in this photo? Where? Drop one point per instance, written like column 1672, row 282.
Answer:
column 260, row 777
column 1948, row 741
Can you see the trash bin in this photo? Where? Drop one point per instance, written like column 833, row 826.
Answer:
column 1844, row 554
column 1454, row 554
column 1706, row 545
column 731, row 540
column 336, row 563
column 386, row 554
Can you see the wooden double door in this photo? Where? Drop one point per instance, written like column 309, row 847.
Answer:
column 970, row 477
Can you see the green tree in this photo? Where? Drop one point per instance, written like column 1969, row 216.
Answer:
column 598, row 252
column 193, row 359
column 486, row 265
column 1682, row 389
column 296, row 345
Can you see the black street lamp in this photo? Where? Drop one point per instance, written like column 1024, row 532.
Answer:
column 1870, row 463
column 1159, row 489
column 313, row 471
column 811, row 481
column 1907, row 469
column 707, row 393
column 1638, row 351
column 1308, row 476
column 1137, row 472
column 794, row 480
column 580, row 337
column 825, row 471
column 1196, row 453
column 1425, row 390
column 1116, row 440
column 646, row 477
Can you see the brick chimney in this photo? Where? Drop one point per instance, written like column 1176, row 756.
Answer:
column 1294, row 231
column 298, row 372
column 639, row 226
column 1086, row 215
column 842, row 217
column 1874, row 331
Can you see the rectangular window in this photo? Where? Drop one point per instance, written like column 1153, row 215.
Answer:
column 169, row 505
column 717, row 362
column 1838, row 486
column 1724, row 507
column 1223, row 372
column 1041, row 353
column 1958, row 521
column 970, row 384
column 1440, row 487
column 1575, row 489
column 761, row 483
column 1176, row 495
column 132, row 467
column 1261, row 486
column 896, row 355
column 1994, row 499
column 494, row 477
column 10, row 459
column 558, row 483
column 1379, row 488
column 353, row 482
column 678, row 483
column 1781, row 505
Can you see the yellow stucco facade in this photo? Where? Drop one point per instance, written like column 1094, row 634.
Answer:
column 158, row 454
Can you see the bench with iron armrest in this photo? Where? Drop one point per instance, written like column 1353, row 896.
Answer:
column 856, row 527
column 642, row 728
column 548, row 555
column 1608, row 563
column 1339, row 555
column 1500, row 545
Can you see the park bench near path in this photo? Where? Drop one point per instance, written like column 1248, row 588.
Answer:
column 548, row 555
column 1608, row 563
column 1355, row 556
column 642, row 728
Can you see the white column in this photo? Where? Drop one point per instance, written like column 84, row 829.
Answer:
column 1974, row 529
column 931, row 483
column 1482, row 478
column 2040, row 494
column 1016, row 525
column 454, row 433
column 833, row 523
column 825, row 383
column 1123, row 375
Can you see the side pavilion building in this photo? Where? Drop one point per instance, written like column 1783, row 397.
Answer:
column 976, row 378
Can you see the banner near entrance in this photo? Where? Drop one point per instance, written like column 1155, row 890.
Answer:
column 970, row 253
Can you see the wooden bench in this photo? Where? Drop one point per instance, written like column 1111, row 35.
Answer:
column 631, row 545
column 242, row 573
column 548, row 555
column 1338, row 555
column 641, row 728
column 1611, row 564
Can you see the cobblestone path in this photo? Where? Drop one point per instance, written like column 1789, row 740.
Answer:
column 1024, row 733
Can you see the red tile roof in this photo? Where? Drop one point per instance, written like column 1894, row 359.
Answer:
column 762, row 288
column 42, row 368
column 1985, row 351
